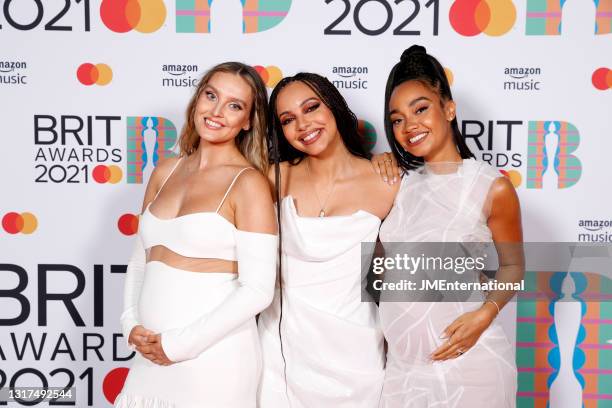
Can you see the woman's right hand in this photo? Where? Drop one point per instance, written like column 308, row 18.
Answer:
column 386, row 166
column 138, row 336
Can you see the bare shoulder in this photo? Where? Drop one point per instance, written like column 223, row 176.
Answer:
column 374, row 182
column 251, row 185
column 253, row 204
column 285, row 175
column 503, row 192
column 505, row 216
column 160, row 173
column 163, row 168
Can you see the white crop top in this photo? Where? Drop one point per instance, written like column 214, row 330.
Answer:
column 204, row 234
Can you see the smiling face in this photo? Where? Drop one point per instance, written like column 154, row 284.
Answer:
column 421, row 122
column 308, row 124
column 223, row 108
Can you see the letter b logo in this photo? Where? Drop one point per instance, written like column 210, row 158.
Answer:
column 549, row 154
column 149, row 138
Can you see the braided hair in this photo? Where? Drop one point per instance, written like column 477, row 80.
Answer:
column 416, row 65
column 281, row 150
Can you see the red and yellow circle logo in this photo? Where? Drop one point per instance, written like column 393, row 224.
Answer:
column 113, row 383
column 514, row 176
column 602, row 79
column 99, row 74
column 144, row 16
column 449, row 75
column 492, row 17
column 14, row 223
column 270, row 75
column 128, row 224
column 107, row 174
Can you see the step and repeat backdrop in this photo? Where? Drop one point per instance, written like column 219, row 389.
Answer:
column 93, row 93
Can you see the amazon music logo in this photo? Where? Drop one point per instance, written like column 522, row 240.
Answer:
column 522, row 79
column 180, row 75
column 12, row 73
column 595, row 230
column 350, row 77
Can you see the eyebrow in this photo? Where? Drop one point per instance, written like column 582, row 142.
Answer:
column 233, row 99
column 304, row 102
column 412, row 103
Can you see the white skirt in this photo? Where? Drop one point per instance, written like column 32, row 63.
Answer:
column 225, row 375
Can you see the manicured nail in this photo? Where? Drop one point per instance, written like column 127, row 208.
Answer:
column 394, row 179
column 385, row 179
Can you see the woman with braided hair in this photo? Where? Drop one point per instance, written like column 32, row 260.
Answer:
column 445, row 354
column 322, row 345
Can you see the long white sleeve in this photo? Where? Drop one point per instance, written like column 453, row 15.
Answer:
column 256, row 256
column 131, row 291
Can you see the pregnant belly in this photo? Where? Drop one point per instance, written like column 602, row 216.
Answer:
column 172, row 297
column 413, row 329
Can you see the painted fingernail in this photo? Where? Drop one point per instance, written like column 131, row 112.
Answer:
column 385, row 179
column 394, row 179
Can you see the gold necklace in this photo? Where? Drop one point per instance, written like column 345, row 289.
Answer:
column 322, row 207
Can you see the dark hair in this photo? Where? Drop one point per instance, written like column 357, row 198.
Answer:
column 416, row 65
column 346, row 121
column 281, row 150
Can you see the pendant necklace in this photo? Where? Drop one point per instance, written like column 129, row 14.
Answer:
column 321, row 206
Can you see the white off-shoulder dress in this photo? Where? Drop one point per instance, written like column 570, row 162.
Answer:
column 332, row 342
column 206, row 319
column 445, row 204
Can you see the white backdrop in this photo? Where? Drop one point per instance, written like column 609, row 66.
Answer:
column 61, row 215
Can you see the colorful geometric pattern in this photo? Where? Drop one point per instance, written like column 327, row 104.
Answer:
column 137, row 155
column 193, row 16
column 261, row 15
column 595, row 340
column 567, row 166
column 603, row 17
column 544, row 17
column 537, row 352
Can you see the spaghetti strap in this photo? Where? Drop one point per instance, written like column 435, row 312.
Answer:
column 167, row 177
column 230, row 187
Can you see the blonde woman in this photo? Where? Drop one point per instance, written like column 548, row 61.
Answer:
column 204, row 262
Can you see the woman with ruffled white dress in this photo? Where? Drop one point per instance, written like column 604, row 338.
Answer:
column 445, row 354
column 321, row 339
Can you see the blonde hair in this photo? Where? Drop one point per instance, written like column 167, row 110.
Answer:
column 251, row 143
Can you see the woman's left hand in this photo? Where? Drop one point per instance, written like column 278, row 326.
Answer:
column 153, row 350
column 464, row 332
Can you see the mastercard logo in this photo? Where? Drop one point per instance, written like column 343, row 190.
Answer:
column 128, row 224
column 514, row 176
column 113, row 383
column 107, row 174
column 602, row 79
column 99, row 74
column 144, row 16
column 473, row 17
column 271, row 75
column 449, row 76
column 14, row 223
